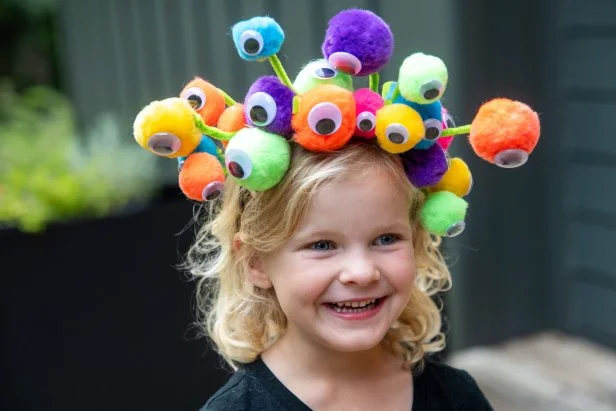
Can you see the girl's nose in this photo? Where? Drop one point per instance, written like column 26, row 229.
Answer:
column 359, row 270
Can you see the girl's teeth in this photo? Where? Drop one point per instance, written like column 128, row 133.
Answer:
column 355, row 304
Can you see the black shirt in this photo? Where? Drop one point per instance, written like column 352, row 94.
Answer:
column 438, row 387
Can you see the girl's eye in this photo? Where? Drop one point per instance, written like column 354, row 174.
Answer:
column 322, row 245
column 387, row 239
column 325, row 118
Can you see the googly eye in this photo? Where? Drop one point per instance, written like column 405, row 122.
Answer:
column 432, row 90
column 325, row 118
column 511, row 158
column 238, row 163
column 397, row 133
column 324, row 72
column 434, row 128
column 251, row 42
column 366, row 121
column 456, row 229
column 449, row 120
column 164, row 144
column 195, row 96
column 260, row 109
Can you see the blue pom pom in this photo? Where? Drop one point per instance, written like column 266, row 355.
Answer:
column 257, row 38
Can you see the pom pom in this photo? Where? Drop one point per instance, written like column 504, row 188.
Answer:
column 357, row 42
column 232, row 119
column 167, row 128
column 425, row 167
column 443, row 214
column 326, row 118
column 432, row 116
column 201, row 177
column 457, row 179
column 504, row 132
column 422, row 78
column 318, row 73
column 257, row 38
column 269, row 105
column 256, row 159
column 205, row 99
column 367, row 103
column 398, row 128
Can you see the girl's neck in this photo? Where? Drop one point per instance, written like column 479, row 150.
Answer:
column 294, row 355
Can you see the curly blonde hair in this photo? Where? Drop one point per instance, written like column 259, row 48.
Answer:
column 243, row 320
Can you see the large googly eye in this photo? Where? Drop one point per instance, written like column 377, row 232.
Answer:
column 432, row 90
column 325, row 118
column 434, row 128
column 260, row 109
column 397, row 133
column 366, row 121
column 251, row 42
column 238, row 163
column 195, row 96
column 324, row 72
column 164, row 144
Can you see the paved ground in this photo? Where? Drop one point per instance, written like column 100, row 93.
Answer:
column 547, row 372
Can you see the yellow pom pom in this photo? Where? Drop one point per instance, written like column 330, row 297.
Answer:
column 457, row 179
column 398, row 128
column 167, row 128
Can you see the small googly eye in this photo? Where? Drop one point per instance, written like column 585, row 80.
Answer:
column 366, row 121
column 325, row 118
column 324, row 72
column 511, row 158
column 251, row 42
column 195, row 96
column 238, row 163
column 260, row 109
column 434, row 128
column 456, row 229
column 451, row 123
column 397, row 133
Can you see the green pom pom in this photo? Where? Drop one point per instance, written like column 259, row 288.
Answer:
column 319, row 72
column 443, row 214
column 422, row 78
column 256, row 159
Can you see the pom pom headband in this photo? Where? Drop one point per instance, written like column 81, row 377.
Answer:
column 214, row 137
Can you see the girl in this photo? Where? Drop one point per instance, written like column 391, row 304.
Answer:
column 317, row 292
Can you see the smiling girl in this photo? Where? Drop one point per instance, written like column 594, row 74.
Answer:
column 317, row 292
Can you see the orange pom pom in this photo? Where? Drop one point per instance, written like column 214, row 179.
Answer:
column 201, row 177
column 206, row 99
column 504, row 132
column 326, row 118
column 232, row 119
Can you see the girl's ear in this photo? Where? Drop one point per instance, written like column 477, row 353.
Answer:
column 256, row 274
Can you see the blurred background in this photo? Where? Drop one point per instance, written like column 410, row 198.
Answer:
column 95, row 314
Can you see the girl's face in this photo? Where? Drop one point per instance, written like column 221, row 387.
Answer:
column 346, row 274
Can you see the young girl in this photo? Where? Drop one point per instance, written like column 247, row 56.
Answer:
column 317, row 292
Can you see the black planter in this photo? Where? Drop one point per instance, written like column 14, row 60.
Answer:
column 95, row 316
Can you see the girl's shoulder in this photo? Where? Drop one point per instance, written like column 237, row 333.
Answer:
column 454, row 388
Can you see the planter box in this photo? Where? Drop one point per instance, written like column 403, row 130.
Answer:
column 95, row 316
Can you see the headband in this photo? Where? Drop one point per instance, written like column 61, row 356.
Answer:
column 214, row 137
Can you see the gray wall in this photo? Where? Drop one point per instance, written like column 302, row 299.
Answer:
column 535, row 253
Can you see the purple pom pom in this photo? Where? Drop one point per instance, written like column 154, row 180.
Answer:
column 425, row 168
column 269, row 105
column 357, row 42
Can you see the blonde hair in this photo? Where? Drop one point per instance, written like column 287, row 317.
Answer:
column 243, row 320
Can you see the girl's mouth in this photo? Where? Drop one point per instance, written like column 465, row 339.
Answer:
column 356, row 309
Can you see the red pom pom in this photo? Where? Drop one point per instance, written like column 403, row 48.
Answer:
column 326, row 118
column 504, row 132
column 201, row 177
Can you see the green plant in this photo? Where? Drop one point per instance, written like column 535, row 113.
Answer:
column 50, row 173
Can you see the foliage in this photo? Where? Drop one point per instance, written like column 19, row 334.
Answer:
column 50, row 173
